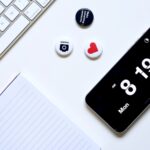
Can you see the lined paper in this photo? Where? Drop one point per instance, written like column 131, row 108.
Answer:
column 28, row 121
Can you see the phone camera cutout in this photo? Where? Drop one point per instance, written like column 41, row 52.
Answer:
column 146, row 40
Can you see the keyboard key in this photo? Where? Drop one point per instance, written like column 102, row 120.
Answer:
column 12, row 32
column 1, row 8
column 6, row 2
column 3, row 24
column 12, row 13
column 43, row 2
column 32, row 11
column 21, row 4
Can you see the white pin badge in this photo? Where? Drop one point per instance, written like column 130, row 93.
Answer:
column 93, row 49
column 64, row 47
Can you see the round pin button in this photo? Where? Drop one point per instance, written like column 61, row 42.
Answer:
column 64, row 47
column 84, row 17
column 93, row 50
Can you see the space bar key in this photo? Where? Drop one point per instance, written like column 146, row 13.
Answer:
column 12, row 33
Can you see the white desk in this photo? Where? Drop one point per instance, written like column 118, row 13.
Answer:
column 118, row 24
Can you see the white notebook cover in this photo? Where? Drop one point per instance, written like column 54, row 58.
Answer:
column 28, row 121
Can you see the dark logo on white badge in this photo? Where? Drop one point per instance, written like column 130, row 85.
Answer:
column 64, row 46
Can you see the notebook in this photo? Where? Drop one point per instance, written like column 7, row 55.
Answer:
column 29, row 121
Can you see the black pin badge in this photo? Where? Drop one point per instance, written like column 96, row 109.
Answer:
column 84, row 17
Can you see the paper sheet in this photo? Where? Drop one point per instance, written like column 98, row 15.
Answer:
column 29, row 121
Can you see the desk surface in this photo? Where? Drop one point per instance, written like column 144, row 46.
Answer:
column 118, row 24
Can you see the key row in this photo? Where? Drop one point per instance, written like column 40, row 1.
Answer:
column 32, row 11
column 21, row 4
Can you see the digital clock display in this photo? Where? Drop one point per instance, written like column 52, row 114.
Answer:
column 124, row 93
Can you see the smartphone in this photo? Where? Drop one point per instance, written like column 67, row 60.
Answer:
column 124, row 92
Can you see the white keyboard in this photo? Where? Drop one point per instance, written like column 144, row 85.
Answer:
column 16, row 16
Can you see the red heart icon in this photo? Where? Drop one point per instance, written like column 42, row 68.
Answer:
column 93, row 48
